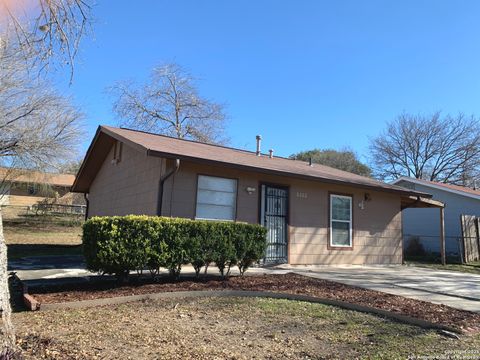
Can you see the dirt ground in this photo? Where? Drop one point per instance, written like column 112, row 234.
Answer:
column 224, row 328
column 288, row 283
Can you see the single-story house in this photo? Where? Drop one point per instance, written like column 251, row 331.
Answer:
column 424, row 224
column 25, row 188
column 314, row 214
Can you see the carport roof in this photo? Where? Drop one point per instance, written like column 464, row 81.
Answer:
column 420, row 202
column 173, row 148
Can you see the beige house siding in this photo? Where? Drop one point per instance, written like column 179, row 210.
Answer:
column 127, row 187
column 377, row 231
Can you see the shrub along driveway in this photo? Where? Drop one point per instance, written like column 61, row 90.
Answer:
column 455, row 289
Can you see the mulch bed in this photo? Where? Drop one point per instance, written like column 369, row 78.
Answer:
column 466, row 321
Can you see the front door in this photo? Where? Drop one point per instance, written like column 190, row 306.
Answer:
column 273, row 215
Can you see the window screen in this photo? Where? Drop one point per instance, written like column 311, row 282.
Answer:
column 216, row 198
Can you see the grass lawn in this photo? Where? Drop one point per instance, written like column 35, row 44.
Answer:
column 472, row 268
column 220, row 328
column 36, row 239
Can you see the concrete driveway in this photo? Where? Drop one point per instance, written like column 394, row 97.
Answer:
column 455, row 289
column 48, row 267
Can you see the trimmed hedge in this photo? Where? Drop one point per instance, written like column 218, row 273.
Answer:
column 120, row 244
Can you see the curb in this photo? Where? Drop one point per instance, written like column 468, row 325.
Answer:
column 238, row 293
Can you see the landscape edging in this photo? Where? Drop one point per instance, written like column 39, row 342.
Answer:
column 244, row 293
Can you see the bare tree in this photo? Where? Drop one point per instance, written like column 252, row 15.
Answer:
column 50, row 29
column 169, row 104
column 7, row 334
column 70, row 166
column 436, row 148
column 38, row 128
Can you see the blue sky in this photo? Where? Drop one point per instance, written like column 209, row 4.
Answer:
column 304, row 74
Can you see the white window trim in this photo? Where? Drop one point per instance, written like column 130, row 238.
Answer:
column 234, row 204
column 350, row 232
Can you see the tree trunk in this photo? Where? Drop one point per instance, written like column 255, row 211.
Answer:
column 7, row 334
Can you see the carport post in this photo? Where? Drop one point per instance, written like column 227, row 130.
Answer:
column 442, row 235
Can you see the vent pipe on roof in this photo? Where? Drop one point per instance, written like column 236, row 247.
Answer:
column 271, row 153
column 259, row 141
column 310, row 161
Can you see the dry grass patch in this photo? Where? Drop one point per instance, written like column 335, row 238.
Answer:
column 224, row 328
column 36, row 234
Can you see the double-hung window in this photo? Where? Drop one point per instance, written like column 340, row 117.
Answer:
column 340, row 221
column 216, row 198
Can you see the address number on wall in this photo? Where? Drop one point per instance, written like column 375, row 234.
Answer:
column 302, row 195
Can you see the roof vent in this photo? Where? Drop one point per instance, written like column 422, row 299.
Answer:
column 259, row 141
column 271, row 153
column 310, row 161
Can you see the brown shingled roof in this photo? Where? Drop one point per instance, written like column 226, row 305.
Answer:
column 37, row 177
column 164, row 146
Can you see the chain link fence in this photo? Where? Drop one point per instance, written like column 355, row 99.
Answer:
column 426, row 248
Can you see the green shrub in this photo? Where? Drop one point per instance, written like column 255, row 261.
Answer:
column 120, row 244
column 116, row 245
column 224, row 252
column 250, row 246
column 201, row 246
column 175, row 234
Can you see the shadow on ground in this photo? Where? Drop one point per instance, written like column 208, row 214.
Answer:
column 17, row 251
column 41, row 257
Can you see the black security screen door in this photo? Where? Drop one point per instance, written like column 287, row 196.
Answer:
column 274, row 210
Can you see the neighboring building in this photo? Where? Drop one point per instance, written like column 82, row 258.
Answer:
column 314, row 214
column 22, row 189
column 424, row 224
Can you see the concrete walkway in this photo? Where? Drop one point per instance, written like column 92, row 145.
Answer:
column 455, row 289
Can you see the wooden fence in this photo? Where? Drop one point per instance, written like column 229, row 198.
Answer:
column 470, row 237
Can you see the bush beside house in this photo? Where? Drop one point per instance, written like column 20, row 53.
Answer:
column 120, row 244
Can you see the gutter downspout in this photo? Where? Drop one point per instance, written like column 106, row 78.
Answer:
column 85, row 196
column 162, row 182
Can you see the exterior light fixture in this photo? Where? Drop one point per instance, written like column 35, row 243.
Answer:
column 366, row 198
column 250, row 190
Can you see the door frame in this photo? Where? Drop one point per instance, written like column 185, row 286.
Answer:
column 287, row 217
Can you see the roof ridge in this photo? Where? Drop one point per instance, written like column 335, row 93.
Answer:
column 202, row 143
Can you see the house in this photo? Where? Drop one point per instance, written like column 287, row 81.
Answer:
column 23, row 189
column 424, row 224
column 314, row 214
